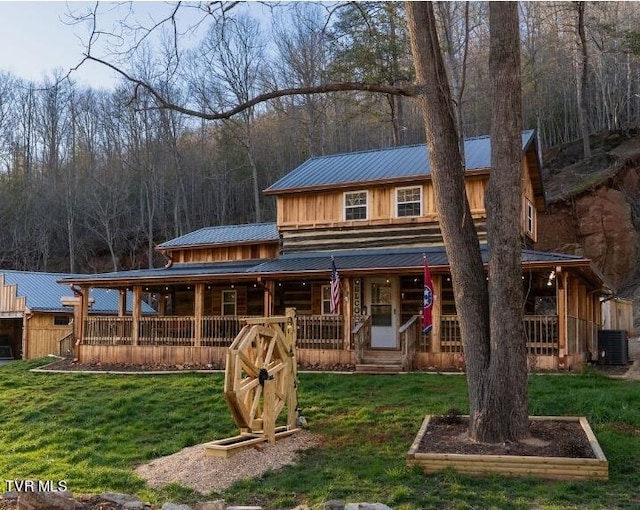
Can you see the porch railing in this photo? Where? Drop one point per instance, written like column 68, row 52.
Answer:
column 361, row 334
column 410, row 333
column 111, row 330
column 541, row 331
column 542, row 334
column 314, row 331
column 66, row 346
column 320, row 332
column 450, row 336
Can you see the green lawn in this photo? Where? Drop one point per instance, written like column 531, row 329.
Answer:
column 91, row 430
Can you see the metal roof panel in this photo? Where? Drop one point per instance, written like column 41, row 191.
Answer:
column 381, row 165
column 225, row 234
column 42, row 292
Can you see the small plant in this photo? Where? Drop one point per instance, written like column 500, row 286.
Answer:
column 452, row 416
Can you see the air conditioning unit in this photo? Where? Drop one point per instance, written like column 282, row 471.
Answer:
column 613, row 347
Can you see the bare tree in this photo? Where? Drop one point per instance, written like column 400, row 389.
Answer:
column 583, row 77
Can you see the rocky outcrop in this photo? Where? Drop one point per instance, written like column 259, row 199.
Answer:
column 594, row 209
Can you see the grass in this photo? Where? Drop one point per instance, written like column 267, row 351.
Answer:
column 91, row 430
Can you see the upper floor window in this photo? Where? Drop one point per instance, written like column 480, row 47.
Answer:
column 530, row 218
column 355, row 205
column 229, row 302
column 409, row 201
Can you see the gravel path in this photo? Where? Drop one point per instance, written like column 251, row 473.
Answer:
column 190, row 467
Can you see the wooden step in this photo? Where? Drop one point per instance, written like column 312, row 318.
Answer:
column 378, row 368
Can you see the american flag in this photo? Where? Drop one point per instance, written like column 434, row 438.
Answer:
column 335, row 287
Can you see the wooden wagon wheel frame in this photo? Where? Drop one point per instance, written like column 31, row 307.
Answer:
column 260, row 378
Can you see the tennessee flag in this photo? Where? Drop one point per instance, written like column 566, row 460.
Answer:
column 427, row 300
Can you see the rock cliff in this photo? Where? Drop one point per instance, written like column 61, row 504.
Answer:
column 594, row 208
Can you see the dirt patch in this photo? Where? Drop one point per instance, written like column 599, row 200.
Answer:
column 447, row 434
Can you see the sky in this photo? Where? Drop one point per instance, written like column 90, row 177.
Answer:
column 36, row 38
column 35, row 42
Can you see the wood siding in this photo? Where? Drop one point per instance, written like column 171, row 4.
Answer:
column 44, row 335
column 225, row 253
column 315, row 220
column 10, row 304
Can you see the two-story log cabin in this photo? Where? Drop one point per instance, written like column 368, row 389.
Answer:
column 373, row 212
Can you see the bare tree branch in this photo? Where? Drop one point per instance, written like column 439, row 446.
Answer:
column 162, row 102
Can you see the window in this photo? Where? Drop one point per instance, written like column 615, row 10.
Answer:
column 326, row 300
column 61, row 320
column 530, row 218
column 229, row 302
column 408, row 201
column 355, row 205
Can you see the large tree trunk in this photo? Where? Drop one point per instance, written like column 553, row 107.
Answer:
column 493, row 354
column 505, row 413
column 447, row 172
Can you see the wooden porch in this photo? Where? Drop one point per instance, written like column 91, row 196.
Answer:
column 323, row 341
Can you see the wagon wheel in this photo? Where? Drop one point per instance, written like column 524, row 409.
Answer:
column 258, row 355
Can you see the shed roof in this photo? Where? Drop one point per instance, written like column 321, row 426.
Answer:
column 388, row 164
column 246, row 233
column 42, row 292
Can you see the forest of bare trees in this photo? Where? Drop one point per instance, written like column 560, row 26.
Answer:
column 91, row 180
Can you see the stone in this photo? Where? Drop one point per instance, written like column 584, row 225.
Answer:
column 366, row 506
column 218, row 504
column 244, row 508
column 45, row 501
column 10, row 495
column 175, row 506
column 118, row 498
column 334, row 504
column 133, row 505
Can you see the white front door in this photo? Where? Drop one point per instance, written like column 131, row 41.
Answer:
column 381, row 302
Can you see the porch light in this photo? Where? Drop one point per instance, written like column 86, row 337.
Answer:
column 552, row 276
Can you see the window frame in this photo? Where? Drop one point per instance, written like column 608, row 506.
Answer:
column 325, row 299
column 224, row 303
column 353, row 207
column 419, row 202
column 529, row 218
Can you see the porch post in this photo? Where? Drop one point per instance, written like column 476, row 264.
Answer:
column 267, row 303
column 122, row 303
column 561, row 298
column 198, row 312
column 162, row 304
column 436, row 312
column 136, row 313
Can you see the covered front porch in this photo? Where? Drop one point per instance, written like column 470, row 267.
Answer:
column 198, row 316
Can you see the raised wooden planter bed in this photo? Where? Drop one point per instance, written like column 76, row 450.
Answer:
column 558, row 468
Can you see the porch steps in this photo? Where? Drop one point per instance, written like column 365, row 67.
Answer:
column 378, row 368
column 380, row 362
